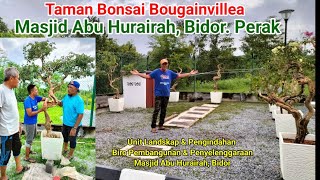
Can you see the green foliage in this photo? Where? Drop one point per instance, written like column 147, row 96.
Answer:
column 53, row 72
column 220, row 50
column 234, row 85
column 260, row 46
column 75, row 65
column 175, row 49
column 3, row 26
column 277, row 75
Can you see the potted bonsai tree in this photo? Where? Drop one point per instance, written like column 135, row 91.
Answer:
column 174, row 95
column 116, row 103
column 291, row 67
column 216, row 96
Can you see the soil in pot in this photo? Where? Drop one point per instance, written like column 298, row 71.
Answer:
column 308, row 142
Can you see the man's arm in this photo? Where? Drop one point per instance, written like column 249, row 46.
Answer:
column 135, row 72
column 193, row 72
column 76, row 125
column 79, row 118
column 33, row 113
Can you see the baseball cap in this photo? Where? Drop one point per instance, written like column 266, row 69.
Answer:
column 75, row 84
column 164, row 61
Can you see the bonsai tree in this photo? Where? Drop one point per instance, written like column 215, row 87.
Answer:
column 175, row 84
column 54, row 72
column 217, row 78
column 113, row 72
column 283, row 81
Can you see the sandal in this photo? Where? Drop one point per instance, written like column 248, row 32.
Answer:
column 32, row 152
column 30, row 160
column 162, row 128
column 70, row 158
column 64, row 152
column 24, row 169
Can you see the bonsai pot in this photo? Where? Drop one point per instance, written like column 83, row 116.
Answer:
column 51, row 148
column 273, row 107
column 297, row 161
column 277, row 111
column 216, row 97
column 174, row 96
column 285, row 123
column 116, row 105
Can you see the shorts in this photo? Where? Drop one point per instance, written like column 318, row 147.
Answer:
column 8, row 144
column 73, row 139
column 31, row 132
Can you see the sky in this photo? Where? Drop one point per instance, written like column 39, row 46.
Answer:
column 13, row 49
column 302, row 19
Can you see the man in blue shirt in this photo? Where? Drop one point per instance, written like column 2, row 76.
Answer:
column 73, row 109
column 31, row 117
column 162, row 78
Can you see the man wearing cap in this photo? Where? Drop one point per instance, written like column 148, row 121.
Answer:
column 73, row 108
column 162, row 78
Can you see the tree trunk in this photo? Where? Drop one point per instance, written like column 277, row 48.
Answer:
column 301, row 122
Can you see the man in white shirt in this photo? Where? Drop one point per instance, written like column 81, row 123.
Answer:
column 10, row 128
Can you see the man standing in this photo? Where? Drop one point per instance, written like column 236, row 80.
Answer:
column 30, row 117
column 162, row 77
column 10, row 128
column 73, row 108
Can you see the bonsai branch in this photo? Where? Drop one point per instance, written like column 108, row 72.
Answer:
column 48, row 125
column 173, row 88
column 216, row 78
column 113, row 80
column 301, row 122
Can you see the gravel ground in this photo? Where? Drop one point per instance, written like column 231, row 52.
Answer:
column 252, row 128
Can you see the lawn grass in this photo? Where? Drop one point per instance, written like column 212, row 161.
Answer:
column 179, row 107
column 84, row 157
column 235, row 85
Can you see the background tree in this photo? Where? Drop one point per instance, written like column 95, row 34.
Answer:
column 6, row 32
column 3, row 26
column 220, row 48
column 260, row 45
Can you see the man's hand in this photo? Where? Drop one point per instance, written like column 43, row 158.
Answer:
column 193, row 72
column 45, row 105
column 134, row 72
column 73, row 132
column 20, row 130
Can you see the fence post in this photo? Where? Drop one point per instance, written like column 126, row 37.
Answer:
column 93, row 98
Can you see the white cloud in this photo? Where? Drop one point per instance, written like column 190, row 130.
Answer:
column 248, row 4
